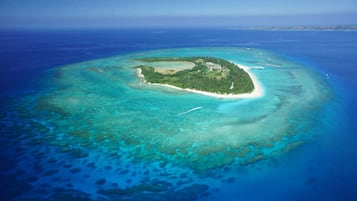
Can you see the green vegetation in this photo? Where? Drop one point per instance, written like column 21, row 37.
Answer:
column 209, row 74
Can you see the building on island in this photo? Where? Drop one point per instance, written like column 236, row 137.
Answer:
column 213, row 66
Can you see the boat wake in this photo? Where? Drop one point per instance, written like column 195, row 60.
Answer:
column 188, row 111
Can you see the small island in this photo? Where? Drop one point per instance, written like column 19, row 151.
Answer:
column 206, row 75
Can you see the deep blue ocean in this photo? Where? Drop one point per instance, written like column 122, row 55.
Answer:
column 324, row 168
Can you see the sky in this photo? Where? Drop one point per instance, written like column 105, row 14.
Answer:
column 172, row 13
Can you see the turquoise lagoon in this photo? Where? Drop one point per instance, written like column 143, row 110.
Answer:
column 140, row 141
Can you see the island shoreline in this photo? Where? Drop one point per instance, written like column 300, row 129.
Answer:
column 256, row 93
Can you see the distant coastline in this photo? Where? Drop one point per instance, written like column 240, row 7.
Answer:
column 301, row 28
